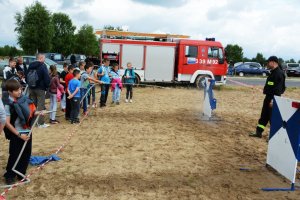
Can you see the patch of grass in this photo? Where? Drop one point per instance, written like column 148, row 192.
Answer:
column 231, row 88
column 292, row 89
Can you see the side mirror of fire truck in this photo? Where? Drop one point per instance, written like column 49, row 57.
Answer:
column 221, row 60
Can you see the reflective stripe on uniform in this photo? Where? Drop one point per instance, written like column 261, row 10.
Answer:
column 270, row 83
column 261, row 126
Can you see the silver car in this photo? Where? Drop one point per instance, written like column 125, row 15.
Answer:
column 29, row 59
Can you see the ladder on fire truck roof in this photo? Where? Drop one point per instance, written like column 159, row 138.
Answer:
column 136, row 35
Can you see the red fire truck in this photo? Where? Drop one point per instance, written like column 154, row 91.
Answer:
column 179, row 60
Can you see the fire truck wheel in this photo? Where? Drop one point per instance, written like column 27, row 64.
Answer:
column 200, row 80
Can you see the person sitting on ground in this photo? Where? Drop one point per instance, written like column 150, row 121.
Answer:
column 129, row 77
column 20, row 112
column 116, row 84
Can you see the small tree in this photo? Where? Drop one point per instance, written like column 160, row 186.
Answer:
column 234, row 53
column 281, row 61
column 86, row 41
column 63, row 37
column 260, row 59
column 34, row 29
column 291, row 61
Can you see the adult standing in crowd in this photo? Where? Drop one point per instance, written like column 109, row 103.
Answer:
column 275, row 85
column 21, row 66
column 103, row 74
column 38, row 80
column 73, row 60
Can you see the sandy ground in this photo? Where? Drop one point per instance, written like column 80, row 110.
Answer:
column 158, row 148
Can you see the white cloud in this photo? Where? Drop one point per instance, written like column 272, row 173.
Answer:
column 164, row 3
column 266, row 26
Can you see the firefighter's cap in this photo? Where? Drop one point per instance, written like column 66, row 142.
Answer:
column 273, row 58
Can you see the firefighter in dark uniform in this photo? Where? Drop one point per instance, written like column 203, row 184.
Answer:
column 275, row 85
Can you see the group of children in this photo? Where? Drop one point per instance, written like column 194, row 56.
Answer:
column 80, row 87
column 76, row 86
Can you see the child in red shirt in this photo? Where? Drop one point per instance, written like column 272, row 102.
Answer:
column 68, row 78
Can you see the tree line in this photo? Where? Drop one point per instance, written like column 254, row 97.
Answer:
column 234, row 53
column 38, row 30
column 10, row 51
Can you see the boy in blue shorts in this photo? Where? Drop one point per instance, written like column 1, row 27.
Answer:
column 74, row 96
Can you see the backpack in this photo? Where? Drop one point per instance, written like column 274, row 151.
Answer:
column 130, row 71
column 18, row 109
column 32, row 78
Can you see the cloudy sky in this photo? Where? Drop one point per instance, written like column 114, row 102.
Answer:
column 271, row 27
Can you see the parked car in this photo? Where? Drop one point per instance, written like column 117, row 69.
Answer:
column 3, row 64
column 29, row 59
column 250, row 68
column 79, row 58
column 48, row 62
column 56, row 57
column 293, row 69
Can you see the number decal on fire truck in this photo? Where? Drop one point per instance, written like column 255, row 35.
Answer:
column 208, row 62
column 191, row 61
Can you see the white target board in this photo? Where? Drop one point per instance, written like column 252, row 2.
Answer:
column 284, row 140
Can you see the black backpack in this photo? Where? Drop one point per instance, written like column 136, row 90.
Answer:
column 32, row 78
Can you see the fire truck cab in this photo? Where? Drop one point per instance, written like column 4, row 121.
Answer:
column 176, row 60
column 198, row 59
